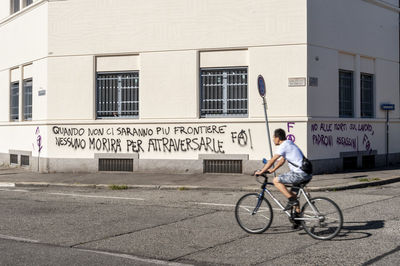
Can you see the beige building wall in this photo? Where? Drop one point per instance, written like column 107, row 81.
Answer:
column 168, row 43
column 159, row 25
column 169, row 85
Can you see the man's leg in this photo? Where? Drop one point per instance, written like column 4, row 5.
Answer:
column 287, row 178
column 282, row 188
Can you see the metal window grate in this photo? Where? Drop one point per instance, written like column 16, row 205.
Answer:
column 117, row 95
column 223, row 92
column 27, row 99
column 346, row 94
column 24, row 160
column 124, row 165
column 14, row 101
column 350, row 163
column 223, row 166
column 368, row 161
column 367, row 95
column 13, row 159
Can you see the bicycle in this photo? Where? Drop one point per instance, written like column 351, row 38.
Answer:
column 320, row 217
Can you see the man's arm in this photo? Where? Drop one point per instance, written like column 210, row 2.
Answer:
column 269, row 164
column 279, row 164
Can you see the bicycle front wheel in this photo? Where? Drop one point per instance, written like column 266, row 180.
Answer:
column 254, row 215
column 323, row 220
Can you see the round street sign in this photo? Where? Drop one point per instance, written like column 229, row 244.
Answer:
column 261, row 85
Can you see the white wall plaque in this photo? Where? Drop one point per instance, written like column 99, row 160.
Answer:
column 297, row 82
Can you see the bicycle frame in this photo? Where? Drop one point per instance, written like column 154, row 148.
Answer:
column 301, row 192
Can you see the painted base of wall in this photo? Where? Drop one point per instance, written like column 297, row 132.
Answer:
column 49, row 165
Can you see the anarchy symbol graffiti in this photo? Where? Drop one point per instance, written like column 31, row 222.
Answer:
column 291, row 137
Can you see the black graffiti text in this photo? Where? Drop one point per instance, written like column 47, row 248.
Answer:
column 64, row 131
column 134, row 146
column 74, row 143
column 184, row 145
column 105, row 144
column 199, row 130
column 134, row 132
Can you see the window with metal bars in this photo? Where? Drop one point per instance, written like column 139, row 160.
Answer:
column 14, row 101
column 24, row 160
column 27, row 99
column 346, row 94
column 117, row 95
column 367, row 95
column 223, row 92
column 13, row 158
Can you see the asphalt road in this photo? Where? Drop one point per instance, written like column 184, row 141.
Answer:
column 43, row 226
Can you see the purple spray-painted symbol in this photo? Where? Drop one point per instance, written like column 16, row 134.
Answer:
column 39, row 139
column 39, row 142
column 291, row 137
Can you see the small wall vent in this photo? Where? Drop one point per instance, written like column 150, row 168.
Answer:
column 223, row 166
column 120, row 165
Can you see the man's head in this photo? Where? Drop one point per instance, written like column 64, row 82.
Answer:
column 279, row 136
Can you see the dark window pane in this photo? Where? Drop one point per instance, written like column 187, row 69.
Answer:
column 27, row 99
column 367, row 95
column 346, row 92
column 14, row 101
column 15, row 6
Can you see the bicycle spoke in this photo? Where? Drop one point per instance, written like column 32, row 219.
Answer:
column 260, row 217
column 318, row 224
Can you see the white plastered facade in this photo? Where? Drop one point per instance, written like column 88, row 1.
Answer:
column 62, row 45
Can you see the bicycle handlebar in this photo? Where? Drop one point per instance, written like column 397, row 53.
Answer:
column 265, row 175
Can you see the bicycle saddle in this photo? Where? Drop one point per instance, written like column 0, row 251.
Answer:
column 302, row 184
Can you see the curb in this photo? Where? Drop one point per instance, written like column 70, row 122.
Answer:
column 356, row 185
column 190, row 187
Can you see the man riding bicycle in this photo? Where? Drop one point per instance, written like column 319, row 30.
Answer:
column 290, row 152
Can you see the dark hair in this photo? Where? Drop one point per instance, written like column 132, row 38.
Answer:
column 280, row 133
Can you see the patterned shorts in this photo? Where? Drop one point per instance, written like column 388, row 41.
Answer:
column 293, row 177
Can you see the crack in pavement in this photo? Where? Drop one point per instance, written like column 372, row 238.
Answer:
column 380, row 257
column 143, row 229
column 102, row 252
column 211, row 247
column 371, row 202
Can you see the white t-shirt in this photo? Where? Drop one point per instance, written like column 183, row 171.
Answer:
column 292, row 153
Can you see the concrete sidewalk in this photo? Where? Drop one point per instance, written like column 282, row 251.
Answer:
column 10, row 177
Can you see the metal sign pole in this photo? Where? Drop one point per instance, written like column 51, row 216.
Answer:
column 262, row 91
column 266, row 122
column 387, row 107
column 387, row 138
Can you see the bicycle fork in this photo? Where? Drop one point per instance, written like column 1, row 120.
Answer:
column 260, row 198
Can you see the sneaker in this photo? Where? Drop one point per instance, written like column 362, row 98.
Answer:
column 296, row 223
column 291, row 203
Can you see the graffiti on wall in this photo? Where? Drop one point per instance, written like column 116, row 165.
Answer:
column 349, row 135
column 290, row 135
column 38, row 140
column 159, row 139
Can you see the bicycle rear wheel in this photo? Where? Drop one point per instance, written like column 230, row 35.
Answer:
column 252, row 215
column 324, row 221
